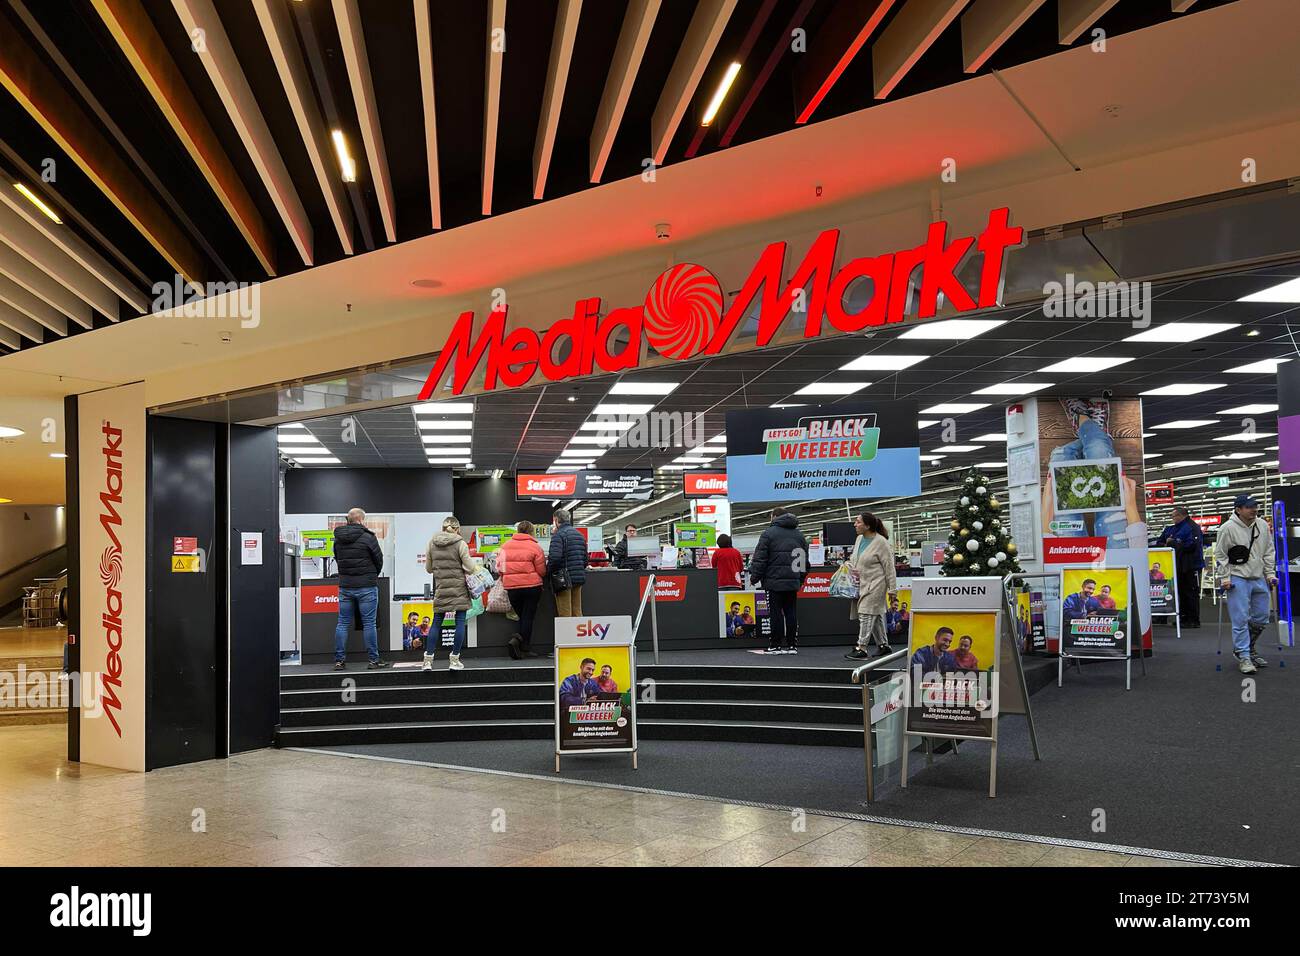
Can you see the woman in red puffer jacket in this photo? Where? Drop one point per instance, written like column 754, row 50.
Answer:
column 522, row 565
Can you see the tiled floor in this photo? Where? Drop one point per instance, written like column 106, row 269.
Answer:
column 286, row 808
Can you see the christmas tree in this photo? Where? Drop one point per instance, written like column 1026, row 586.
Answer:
column 979, row 542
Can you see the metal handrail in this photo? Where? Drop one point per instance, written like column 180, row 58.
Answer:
column 654, row 616
column 859, row 672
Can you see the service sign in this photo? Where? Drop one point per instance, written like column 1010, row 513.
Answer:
column 595, row 684
column 628, row 484
column 853, row 449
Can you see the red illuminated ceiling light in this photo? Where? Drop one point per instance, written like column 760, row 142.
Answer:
column 854, row 19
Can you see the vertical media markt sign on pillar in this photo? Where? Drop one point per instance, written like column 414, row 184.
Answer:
column 854, row 449
column 111, row 499
column 595, row 685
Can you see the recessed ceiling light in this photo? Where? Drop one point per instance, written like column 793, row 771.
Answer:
column 610, row 426
column 323, row 460
column 720, row 93
column 956, row 448
column 1181, row 331
column 722, row 438
column 297, row 438
column 643, row 388
column 1188, row 423
column 1238, row 455
column 677, row 467
column 933, row 457
column 1252, row 333
column 1014, row 388
column 8, row 431
column 449, row 461
column 1152, row 454
column 953, row 329
column 954, row 408
column 38, row 202
column 347, row 165
column 832, row 388
column 1262, row 367
column 292, row 427
column 927, row 422
column 1246, row 436
column 444, row 408
column 446, row 439
column 606, row 408
column 449, row 452
column 302, row 450
column 1086, row 363
column 446, row 425
column 1288, row 291
column 688, row 460
column 1184, row 388
column 992, row 436
column 1182, row 464
column 1248, row 410
column 882, row 362
column 992, row 464
column 594, row 440
column 789, row 405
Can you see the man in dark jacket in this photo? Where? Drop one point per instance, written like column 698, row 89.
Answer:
column 569, row 551
column 359, row 559
column 621, row 560
column 780, row 562
column 1185, row 537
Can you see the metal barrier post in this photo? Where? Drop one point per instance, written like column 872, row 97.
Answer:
column 869, row 745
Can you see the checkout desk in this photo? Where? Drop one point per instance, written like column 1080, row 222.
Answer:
column 689, row 611
column 319, row 615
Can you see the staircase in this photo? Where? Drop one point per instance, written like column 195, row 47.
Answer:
column 750, row 704
column 31, row 692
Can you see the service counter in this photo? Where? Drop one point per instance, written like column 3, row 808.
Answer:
column 318, row 603
column 690, row 611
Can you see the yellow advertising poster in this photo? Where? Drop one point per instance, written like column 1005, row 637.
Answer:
column 595, row 698
column 417, row 624
column 1094, row 612
column 1024, row 624
column 898, row 615
column 951, row 661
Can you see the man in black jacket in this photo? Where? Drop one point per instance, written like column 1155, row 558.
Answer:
column 359, row 559
column 621, row 560
column 780, row 562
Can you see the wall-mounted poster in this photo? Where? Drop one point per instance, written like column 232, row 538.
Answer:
column 1085, row 486
column 1022, row 465
column 1022, row 529
column 1095, row 612
column 852, row 449
column 744, row 614
column 1160, row 576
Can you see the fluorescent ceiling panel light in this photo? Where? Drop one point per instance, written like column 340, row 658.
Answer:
column 952, row 329
column 317, row 461
column 992, row 464
column 643, row 388
column 933, row 457
column 607, row 408
column 992, row 436
column 302, row 450
column 1182, row 464
column 1181, row 331
column 1248, row 410
column 38, row 202
column 1086, row 363
column 832, row 388
column 1246, row 436
column 954, row 408
column 1262, row 367
column 444, row 425
column 446, row 439
column 1269, row 464
column 882, row 362
column 444, row 408
column 594, row 440
column 293, row 425
column 466, row 450
column 1288, row 291
column 677, row 467
column 722, row 438
column 927, row 422
column 1188, row 423
column 347, row 165
column 1014, row 388
column 1183, row 388
column 720, row 93
column 788, row 405
column 610, row 426
column 1238, row 455
column 449, row 461
column 293, row 438
column 688, row 460
column 1152, row 454
column 959, row 448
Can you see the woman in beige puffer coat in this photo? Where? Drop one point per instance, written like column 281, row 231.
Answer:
column 873, row 560
column 447, row 559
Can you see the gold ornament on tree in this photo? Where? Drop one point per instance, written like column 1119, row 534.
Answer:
column 995, row 504
column 958, row 559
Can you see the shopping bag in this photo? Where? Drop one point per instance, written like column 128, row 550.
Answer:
column 475, row 609
column 844, row 582
column 479, row 581
column 498, row 602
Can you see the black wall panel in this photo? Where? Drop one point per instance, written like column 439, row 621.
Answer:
column 72, row 521
column 492, row 501
column 186, row 610
column 254, row 590
column 378, row 490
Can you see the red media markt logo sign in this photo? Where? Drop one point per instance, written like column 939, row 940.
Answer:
column 682, row 310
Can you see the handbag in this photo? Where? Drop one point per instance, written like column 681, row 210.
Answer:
column 475, row 609
column 479, row 581
column 560, row 580
column 498, row 602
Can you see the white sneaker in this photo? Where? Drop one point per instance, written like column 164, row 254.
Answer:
column 1245, row 665
column 454, row 664
column 428, row 663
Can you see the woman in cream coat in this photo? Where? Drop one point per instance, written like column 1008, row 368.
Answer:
column 873, row 560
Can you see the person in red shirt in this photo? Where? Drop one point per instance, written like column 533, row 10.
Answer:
column 728, row 563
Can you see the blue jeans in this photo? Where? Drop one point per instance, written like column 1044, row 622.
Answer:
column 459, row 641
column 1249, row 604
column 367, row 600
column 1093, row 442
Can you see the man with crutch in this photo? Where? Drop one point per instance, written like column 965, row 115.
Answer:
column 1244, row 568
